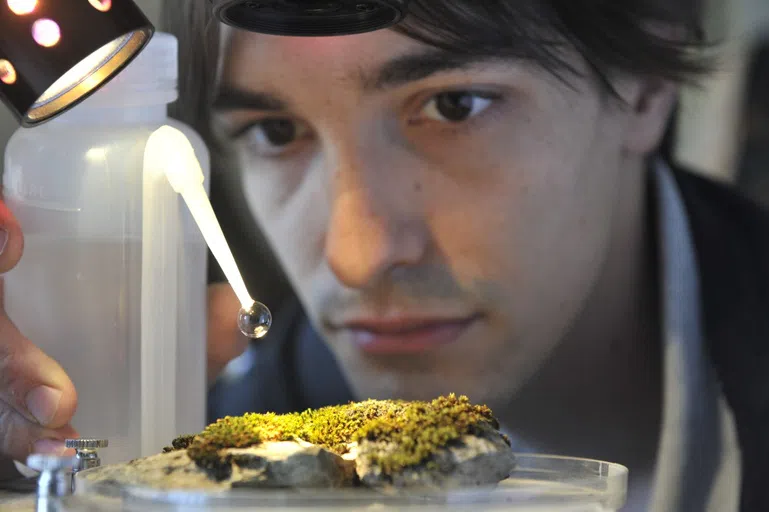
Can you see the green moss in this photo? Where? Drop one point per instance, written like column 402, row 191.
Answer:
column 335, row 427
column 180, row 443
column 416, row 429
column 421, row 429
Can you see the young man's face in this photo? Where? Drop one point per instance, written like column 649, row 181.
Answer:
column 442, row 225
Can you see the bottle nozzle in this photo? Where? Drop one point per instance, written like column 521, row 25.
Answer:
column 170, row 149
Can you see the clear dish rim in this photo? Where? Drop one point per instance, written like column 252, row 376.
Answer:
column 571, row 480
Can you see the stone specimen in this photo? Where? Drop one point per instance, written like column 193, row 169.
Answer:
column 447, row 442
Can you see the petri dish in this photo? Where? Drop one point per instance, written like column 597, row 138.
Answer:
column 539, row 483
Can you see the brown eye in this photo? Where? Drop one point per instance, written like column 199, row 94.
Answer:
column 456, row 107
column 279, row 132
column 274, row 137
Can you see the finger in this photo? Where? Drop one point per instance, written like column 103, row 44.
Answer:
column 20, row 437
column 225, row 341
column 11, row 240
column 31, row 382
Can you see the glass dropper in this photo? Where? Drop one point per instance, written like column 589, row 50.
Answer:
column 175, row 153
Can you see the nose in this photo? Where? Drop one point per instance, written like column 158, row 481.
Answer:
column 376, row 224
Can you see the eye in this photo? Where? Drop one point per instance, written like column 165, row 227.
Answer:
column 456, row 107
column 274, row 137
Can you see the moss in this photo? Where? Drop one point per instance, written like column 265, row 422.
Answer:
column 180, row 443
column 416, row 430
column 335, row 427
column 413, row 435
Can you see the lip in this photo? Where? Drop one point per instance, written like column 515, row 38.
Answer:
column 399, row 336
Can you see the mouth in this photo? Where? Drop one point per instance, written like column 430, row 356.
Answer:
column 400, row 336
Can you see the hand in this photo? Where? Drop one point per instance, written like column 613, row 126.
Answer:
column 225, row 341
column 37, row 399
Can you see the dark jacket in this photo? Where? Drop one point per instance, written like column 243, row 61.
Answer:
column 731, row 235
column 293, row 370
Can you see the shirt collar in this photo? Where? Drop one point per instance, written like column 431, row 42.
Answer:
column 696, row 450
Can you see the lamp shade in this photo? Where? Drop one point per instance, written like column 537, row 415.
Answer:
column 56, row 53
column 310, row 17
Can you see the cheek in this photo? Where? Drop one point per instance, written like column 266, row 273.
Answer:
column 566, row 223
column 498, row 202
column 292, row 211
column 530, row 207
column 570, row 159
column 474, row 221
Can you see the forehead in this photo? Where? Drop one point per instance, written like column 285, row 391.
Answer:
column 287, row 70
column 250, row 56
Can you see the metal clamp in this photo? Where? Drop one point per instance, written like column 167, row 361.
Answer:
column 54, row 481
column 86, row 455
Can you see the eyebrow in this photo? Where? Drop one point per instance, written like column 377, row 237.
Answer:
column 234, row 98
column 419, row 66
column 400, row 71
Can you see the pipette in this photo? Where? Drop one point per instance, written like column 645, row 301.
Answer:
column 174, row 152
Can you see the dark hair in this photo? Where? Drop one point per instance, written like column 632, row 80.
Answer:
column 661, row 38
column 656, row 38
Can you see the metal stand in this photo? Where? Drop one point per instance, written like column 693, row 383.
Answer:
column 86, row 455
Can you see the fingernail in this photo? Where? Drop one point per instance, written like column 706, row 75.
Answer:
column 43, row 402
column 3, row 239
column 50, row 447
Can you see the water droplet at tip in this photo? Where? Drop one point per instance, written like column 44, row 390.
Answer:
column 256, row 321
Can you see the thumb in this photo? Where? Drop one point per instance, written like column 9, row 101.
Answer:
column 31, row 382
column 37, row 399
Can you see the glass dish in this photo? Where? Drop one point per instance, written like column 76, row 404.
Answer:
column 539, row 483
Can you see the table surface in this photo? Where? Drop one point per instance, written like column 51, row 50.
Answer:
column 16, row 502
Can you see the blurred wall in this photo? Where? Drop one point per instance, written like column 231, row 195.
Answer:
column 8, row 124
column 708, row 136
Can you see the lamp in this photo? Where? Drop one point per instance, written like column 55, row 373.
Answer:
column 56, row 53
column 310, row 17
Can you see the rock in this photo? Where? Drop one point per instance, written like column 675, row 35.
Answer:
column 290, row 464
column 482, row 458
column 166, row 471
column 447, row 442
column 269, row 465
